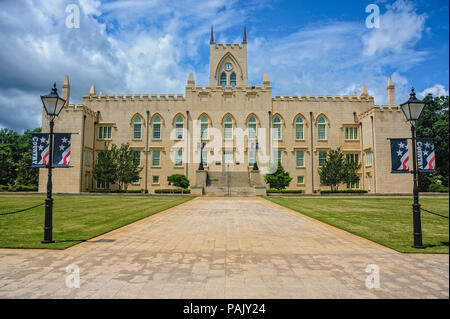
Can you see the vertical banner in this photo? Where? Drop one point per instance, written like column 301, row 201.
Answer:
column 40, row 149
column 61, row 150
column 399, row 155
column 425, row 155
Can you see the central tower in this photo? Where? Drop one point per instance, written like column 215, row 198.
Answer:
column 228, row 63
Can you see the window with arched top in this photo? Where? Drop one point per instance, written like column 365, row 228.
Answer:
column 228, row 128
column 223, row 79
column 233, row 80
column 251, row 125
column 299, row 128
column 204, row 127
column 322, row 128
column 276, row 128
column 137, row 127
column 179, row 125
column 156, row 127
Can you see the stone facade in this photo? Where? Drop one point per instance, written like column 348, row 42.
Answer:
column 300, row 129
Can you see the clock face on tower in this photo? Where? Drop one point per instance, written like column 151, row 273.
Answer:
column 228, row 66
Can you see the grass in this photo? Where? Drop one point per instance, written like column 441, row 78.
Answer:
column 387, row 221
column 75, row 218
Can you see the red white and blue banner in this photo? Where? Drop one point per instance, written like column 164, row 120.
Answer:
column 41, row 149
column 426, row 161
column 61, row 150
column 399, row 155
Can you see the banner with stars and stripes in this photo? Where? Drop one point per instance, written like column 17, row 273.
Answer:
column 399, row 155
column 426, row 162
column 41, row 149
column 61, row 150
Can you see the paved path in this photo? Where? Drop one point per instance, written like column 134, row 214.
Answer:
column 224, row 248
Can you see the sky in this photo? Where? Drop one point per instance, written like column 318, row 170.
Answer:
column 150, row 46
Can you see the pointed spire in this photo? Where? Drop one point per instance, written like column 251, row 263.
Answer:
column 390, row 83
column 364, row 91
column 390, row 92
column 191, row 81
column 211, row 41
column 66, row 81
column 245, row 35
column 266, row 81
column 92, row 90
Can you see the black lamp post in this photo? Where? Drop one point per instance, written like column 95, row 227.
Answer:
column 202, row 146
column 412, row 110
column 255, row 164
column 53, row 105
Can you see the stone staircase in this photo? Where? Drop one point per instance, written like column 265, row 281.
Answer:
column 229, row 184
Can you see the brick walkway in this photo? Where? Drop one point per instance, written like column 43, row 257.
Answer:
column 224, row 248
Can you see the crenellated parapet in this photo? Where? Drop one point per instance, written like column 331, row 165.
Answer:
column 322, row 98
column 380, row 109
column 135, row 97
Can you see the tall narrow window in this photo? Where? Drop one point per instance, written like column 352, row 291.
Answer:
column 277, row 128
column 322, row 158
column 179, row 124
column 205, row 157
column 368, row 158
column 204, row 127
column 157, row 127
column 322, row 128
column 137, row 156
column 351, row 133
column 300, row 156
column 233, row 80
column 156, row 158
column 137, row 128
column 223, row 79
column 104, row 132
column 277, row 156
column 251, row 127
column 228, row 128
column 251, row 157
column 179, row 157
column 352, row 158
column 299, row 128
column 354, row 185
column 229, row 156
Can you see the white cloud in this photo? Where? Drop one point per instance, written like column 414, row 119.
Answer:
column 436, row 90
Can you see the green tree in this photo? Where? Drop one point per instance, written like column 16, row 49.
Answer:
column 27, row 175
column 178, row 180
column 127, row 166
column 338, row 170
column 105, row 168
column 433, row 122
column 280, row 179
column 7, row 165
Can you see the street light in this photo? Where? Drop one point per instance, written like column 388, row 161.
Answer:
column 202, row 146
column 53, row 105
column 412, row 110
column 255, row 165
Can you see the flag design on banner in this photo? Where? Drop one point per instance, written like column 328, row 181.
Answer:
column 399, row 155
column 61, row 152
column 426, row 161
column 40, row 149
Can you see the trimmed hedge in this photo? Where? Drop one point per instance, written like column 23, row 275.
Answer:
column 18, row 188
column 438, row 188
column 135, row 191
column 284, row 191
column 172, row 191
column 347, row 191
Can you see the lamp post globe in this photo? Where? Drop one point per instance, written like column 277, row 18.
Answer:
column 53, row 105
column 412, row 110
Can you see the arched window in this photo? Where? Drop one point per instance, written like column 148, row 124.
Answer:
column 322, row 128
column 204, row 127
column 223, row 79
column 137, row 127
column 277, row 128
column 233, row 80
column 228, row 128
column 251, row 125
column 157, row 127
column 299, row 132
column 179, row 124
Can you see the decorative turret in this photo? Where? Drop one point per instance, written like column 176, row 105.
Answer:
column 244, row 40
column 211, row 41
column 191, row 82
column 390, row 92
column 92, row 90
column 266, row 81
column 66, row 90
column 364, row 92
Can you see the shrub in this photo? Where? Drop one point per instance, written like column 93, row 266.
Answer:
column 438, row 188
column 18, row 188
column 284, row 191
column 172, row 191
column 135, row 191
column 358, row 191
column 178, row 180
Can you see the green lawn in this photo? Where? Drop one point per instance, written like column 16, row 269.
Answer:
column 387, row 221
column 75, row 218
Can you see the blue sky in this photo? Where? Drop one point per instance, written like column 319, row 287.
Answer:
column 150, row 46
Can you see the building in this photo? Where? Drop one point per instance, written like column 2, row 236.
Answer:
column 232, row 119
